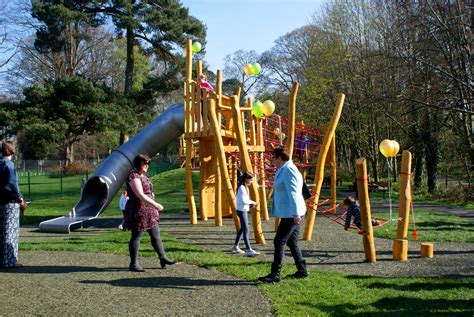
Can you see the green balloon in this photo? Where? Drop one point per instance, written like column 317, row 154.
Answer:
column 256, row 68
column 257, row 109
column 196, row 47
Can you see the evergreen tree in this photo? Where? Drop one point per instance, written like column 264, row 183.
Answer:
column 61, row 112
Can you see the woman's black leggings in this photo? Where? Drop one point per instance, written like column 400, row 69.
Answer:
column 156, row 242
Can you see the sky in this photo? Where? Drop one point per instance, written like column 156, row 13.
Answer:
column 248, row 24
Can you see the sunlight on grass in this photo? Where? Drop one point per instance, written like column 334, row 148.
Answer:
column 434, row 226
column 322, row 294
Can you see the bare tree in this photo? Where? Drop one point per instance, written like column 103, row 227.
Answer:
column 234, row 69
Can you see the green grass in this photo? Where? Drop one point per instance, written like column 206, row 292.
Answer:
column 432, row 226
column 322, row 294
column 42, row 186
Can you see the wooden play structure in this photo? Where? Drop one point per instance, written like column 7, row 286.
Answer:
column 225, row 136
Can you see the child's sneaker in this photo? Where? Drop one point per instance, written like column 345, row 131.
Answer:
column 236, row 250
column 120, row 227
column 251, row 253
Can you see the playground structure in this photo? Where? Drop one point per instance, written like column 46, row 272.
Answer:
column 215, row 129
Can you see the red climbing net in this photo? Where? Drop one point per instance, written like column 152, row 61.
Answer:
column 306, row 149
column 307, row 144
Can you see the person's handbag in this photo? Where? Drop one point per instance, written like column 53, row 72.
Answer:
column 306, row 192
column 22, row 210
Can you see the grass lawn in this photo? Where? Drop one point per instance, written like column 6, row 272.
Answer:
column 322, row 294
column 41, row 186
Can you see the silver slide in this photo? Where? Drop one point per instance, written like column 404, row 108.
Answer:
column 102, row 187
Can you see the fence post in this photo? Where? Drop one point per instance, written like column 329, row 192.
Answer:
column 61, row 182
column 29, row 186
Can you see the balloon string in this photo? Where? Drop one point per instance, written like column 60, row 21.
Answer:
column 279, row 124
column 389, row 170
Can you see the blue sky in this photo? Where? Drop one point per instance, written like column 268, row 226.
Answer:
column 248, row 24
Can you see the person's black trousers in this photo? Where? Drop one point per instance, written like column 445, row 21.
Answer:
column 288, row 233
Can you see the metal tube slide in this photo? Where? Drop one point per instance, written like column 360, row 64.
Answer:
column 102, row 187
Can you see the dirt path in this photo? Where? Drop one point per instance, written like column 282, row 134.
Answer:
column 97, row 284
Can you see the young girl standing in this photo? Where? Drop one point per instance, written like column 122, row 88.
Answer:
column 243, row 206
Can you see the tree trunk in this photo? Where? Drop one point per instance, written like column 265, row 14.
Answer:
column 432, row 151
column 69, row 153
column 418, row 168
column 130, row 61
column 128, row 75
column 431, row 168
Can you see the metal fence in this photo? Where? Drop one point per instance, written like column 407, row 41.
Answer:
column 45, row 179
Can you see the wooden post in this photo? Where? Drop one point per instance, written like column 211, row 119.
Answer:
column 426, row 250
column 189, row 183
column 332, row 165
column 189, row 143
column 405, row 196
column 219, row 96
column 217, row 191
column 400, row 249
column 200, row 95
column 233, row 163
column 187, row 107
column 400, row 244
column 246, row 164
column 218, row 184
column 189, row 59
column 365, row 213
column 222, row 161
column 261, row 170
column 319, row 173
column 290, row 141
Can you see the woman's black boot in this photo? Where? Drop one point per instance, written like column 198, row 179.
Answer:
column 165, row 261
column 135, row 267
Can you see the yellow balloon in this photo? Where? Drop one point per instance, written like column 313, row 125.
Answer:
column 386, row 147
column 268, row 107
column 396, row 148
column 248, row 69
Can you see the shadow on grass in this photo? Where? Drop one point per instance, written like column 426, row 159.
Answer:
column 445, row 225
column 397, row 306
column 422, row 286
